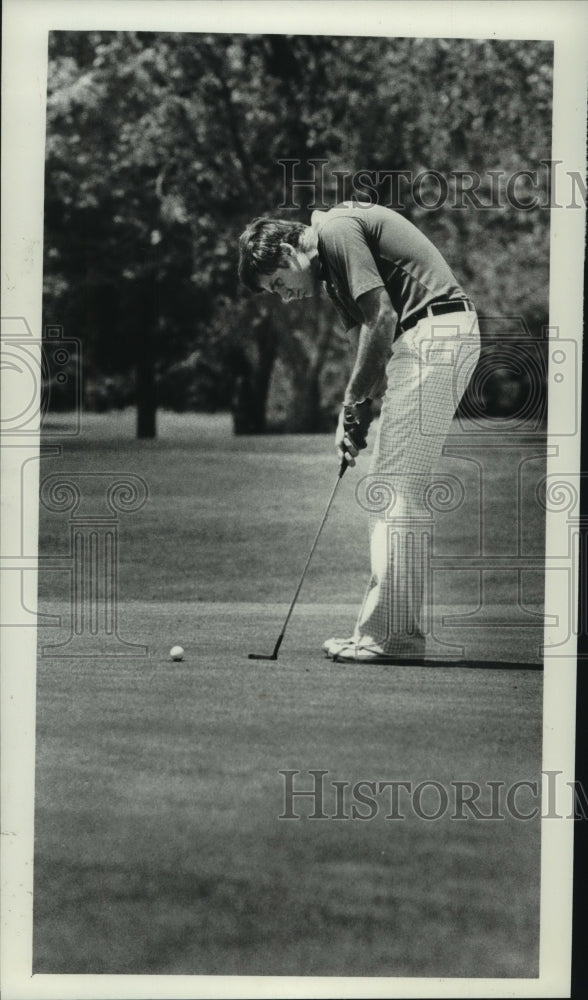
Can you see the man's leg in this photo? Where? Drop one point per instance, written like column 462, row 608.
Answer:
column 427, row 375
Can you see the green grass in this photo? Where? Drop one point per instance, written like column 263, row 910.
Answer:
column 158, row 847
column 232, row 519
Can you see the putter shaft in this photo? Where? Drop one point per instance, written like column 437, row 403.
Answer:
column 274, row 655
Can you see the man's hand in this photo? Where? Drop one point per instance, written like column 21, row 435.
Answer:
column 352, row 429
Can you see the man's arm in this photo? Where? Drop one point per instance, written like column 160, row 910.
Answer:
column 378, row 389
column 374, row 342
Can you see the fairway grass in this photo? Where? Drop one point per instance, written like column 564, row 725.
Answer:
column 233, row 518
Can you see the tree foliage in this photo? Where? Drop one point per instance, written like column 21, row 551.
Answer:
column 162, row 146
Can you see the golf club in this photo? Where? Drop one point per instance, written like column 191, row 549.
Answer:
column 274, row 655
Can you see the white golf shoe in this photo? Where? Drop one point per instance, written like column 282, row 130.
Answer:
column 350, row 651
column 354, row 652
column 332, row 646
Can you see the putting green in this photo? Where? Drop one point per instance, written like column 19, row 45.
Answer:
column 159, row 846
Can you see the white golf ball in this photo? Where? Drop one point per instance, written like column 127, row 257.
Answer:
column 176, row 653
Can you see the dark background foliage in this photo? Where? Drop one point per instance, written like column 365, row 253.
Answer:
column 162, row 146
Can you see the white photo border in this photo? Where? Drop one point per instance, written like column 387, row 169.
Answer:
column 26, row 24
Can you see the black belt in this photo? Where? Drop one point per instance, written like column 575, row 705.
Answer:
column 437, row 309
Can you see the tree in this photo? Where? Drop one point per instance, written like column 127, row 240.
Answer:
column 162, row 146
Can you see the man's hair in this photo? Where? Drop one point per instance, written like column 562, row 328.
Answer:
column 259, row 248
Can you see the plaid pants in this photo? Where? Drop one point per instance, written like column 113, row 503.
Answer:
column 428, row 373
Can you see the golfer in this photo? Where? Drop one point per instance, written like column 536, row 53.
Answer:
column 415, row 342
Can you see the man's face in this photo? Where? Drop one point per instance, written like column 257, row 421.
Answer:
column 297, row 280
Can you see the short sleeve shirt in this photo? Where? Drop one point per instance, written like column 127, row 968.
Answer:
column 362, row 247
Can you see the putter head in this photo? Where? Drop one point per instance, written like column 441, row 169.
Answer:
column 274, row 655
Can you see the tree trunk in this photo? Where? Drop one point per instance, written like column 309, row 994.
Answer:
column 145, row 370
column 306, row 358
column 252, row 382
column 305, row 417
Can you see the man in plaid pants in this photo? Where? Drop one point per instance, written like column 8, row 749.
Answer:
column 416, row 342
